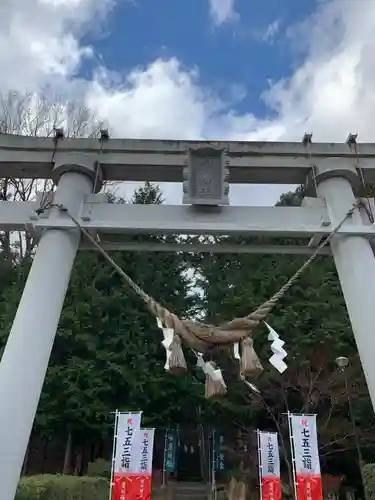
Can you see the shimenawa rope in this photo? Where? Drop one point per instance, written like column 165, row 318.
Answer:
column 192, row 331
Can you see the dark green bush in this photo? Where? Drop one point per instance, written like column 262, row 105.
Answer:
column 99, row 468
column 369, row 479
column 57, row 487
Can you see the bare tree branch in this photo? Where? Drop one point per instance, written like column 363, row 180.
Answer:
column 27, row 114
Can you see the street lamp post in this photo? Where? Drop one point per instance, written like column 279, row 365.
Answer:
column 342, row 363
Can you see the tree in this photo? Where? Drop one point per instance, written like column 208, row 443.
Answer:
column 108, row 351
column 311, row 319
column 314, row 386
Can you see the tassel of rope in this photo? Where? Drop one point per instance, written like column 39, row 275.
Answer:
column 214, row 386
column 249, row 363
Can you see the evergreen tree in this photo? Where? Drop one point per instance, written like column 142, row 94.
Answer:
column 107, row 353
column 311, row 319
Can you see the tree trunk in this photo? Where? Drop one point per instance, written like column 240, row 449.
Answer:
column 26, row 459
column 86, row 457
column 289, row 468
column 45, row 453
column 68, row 454
column 7, row 247
column 96, row 451
column 237, row 490
column 78, row 466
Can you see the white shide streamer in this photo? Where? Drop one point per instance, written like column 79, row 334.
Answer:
column 166, row 343
column 279, row 353
column 236, row 351
column 214, row 373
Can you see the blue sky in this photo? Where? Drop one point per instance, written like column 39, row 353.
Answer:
column 248, row 70
column 240, row 55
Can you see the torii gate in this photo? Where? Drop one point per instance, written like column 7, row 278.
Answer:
column 205, row 168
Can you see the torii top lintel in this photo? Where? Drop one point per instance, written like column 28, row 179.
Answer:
column 163, row 160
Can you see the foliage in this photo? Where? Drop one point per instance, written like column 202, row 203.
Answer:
column 50, row 487
column 99, row 468
column 107, row 353
column 313, row 321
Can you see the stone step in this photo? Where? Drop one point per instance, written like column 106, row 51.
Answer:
column 191, row 485
column 195, row 491
column 191, row 491
column 186, row 496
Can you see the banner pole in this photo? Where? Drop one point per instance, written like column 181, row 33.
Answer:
column 292, row 451
column 259, row 466
column 113, row 454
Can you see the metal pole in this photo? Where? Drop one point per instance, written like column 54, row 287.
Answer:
column 28, row 349
column 113, row 453
column 355, row 263
column 260, row 466
column 355, row 433
column 291, row 440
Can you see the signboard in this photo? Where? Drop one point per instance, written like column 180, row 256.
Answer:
column 206, row 177
column 269, row 466
column 307, row 467
column 170, row 450
column 218, row 451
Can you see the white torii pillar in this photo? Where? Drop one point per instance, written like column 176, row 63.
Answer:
column 25, row 359
column 354, row 259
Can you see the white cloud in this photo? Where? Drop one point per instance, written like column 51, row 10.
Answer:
column 40, row 39
column 222, row 11
column 271, row 31
column 159, row 101
column 330, row 93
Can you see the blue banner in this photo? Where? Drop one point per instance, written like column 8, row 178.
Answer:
column 218, row 451
column 170, row 450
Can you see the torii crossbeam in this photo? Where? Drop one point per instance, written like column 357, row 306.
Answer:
column 332, row 172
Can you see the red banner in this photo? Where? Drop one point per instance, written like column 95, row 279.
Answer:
column 271, row 488
column 132, row 473
column 306, row 457
column 269, row 465
column 131, row 487
column 309, row 487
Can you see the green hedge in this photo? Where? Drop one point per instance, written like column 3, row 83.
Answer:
column 99, row 468
column 369, row 479
column 57, row 487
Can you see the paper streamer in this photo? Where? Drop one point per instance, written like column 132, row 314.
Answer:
column 236, row 351
column 213, row 373
column 166, row 343
column 279, row 353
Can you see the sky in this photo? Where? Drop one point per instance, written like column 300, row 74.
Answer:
column 201, row 69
